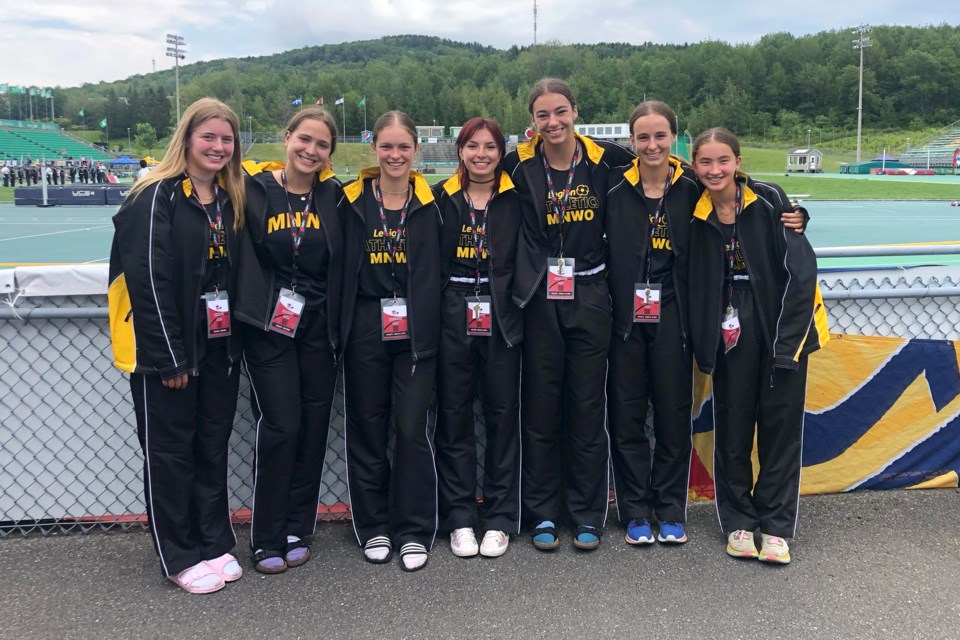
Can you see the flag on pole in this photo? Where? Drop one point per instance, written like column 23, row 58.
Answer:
column 103, row 123
column 297, row 101
column 320, row 101
column 339, row 100
column 80, row 113
column 363, row 102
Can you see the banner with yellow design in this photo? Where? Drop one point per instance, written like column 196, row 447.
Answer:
column 882, row 413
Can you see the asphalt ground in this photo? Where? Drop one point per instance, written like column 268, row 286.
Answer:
column 866, row 565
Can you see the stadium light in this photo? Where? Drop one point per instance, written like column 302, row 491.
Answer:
column 176, row 52
column 861, row 43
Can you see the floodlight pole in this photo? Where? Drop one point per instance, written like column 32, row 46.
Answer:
column 176, row 52
column 860, row 43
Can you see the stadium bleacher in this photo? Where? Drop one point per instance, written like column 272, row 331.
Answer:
column 936, row 154
column 18, row 144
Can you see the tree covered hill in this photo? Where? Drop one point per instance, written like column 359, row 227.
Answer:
column 781, row 85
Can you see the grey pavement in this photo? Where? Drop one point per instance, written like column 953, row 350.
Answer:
column 866, row 565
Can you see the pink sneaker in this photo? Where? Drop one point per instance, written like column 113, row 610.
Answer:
column 227, row 567
column 200, row 578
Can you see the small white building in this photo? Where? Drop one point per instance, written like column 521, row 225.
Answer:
column 806, row 160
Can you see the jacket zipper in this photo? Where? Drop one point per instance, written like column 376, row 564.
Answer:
column 543, row 270
column 759, row 306
column 493, row 293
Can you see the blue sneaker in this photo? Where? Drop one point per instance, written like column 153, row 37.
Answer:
column 672, row 533
column 639, row 532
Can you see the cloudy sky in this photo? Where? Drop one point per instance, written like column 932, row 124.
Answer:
column 67, row 43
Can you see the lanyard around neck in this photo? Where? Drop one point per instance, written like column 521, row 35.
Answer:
column 560, row 204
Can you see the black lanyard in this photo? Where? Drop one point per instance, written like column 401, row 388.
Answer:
column 217, row 237
column 731, row 248
column 295, row 232
column 657, row 215
column 479, row 233
column 391, row 242
column 560, row 204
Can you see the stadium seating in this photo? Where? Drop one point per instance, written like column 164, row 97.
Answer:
column 938, row 152
column 17, row 144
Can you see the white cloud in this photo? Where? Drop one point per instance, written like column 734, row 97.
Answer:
column 69, row 43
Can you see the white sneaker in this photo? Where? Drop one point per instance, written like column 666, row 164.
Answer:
column 740, row 544
column 494, row 544
column 463, row 542
column 774, row 549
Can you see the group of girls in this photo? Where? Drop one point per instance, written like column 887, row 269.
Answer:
column 602, row 272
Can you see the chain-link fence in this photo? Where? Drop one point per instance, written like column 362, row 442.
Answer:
column 69, row 456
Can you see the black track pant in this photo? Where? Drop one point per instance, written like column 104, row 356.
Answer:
column 745, row 404
column 378, row 385
column 565, row 444
column 292, row 382
column 651, row 365
column 184, row 435
column 464, row 364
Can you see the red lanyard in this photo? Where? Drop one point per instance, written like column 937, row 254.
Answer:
column 296, row 233
column 560, row 204
column 391, row 242
column 217, row 237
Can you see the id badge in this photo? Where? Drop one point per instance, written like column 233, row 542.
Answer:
column 560, row 278
column 479, row 320
column 646, row 302
column 730, row 328
column 287, row 313
column 393, row 319
column 218, row 314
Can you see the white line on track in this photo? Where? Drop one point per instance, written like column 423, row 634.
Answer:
column 53, row 233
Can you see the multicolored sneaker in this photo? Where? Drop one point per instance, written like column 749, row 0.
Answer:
column 672, row 533
column 463, row 542
column 494, row 544
column 639, row 532
column 740, row 544
column 774, row 549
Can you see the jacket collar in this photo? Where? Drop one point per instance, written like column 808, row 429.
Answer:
column 593, row 151
column 452, row 184
column 187, row 185
column 253, row 168
column 632, row 174
column 705, row 204
column 421, row 189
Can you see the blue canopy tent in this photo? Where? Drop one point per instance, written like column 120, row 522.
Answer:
column 123, row 160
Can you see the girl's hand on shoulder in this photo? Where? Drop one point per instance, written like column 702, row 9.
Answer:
column 793, row 220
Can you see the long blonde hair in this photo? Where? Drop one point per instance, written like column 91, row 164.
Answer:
column 174, row 162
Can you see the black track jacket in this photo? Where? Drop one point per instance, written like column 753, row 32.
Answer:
column 627, row 225
column 423, row 260
column 158, row 260
column 783, row 275
column 256, row 286
column 505, row 214
column 525, row 168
